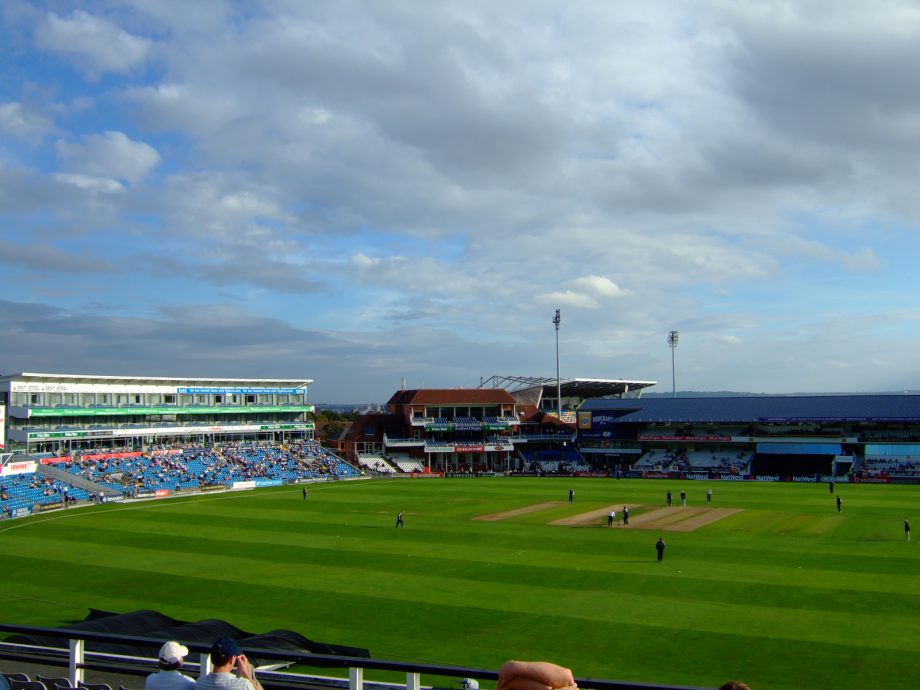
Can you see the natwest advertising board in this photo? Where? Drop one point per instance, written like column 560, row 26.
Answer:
column 469, row 449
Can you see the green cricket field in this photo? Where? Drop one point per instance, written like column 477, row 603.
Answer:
column 769, row 583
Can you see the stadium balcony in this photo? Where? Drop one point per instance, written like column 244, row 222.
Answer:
column 552, row 436
column 496, row 439
column 389, row 441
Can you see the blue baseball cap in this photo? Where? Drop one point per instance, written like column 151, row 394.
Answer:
column 224, row 649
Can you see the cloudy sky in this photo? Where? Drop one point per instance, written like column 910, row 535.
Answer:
column 365, row 192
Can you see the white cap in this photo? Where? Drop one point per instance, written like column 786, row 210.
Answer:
column 173, row 652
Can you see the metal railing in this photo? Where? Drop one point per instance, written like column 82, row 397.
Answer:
column 76, row 659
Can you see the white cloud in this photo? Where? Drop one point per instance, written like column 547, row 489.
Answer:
column 799, row 247
column 95, row 42
column 224, row 208
column 89, row 183
column 865, row 260
column 569, row 298
column 601, row 286
column 16, row 121
column 111, row 155
column 364, row 261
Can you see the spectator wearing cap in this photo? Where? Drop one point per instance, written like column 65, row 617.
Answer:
column 231, row 669
column 172, row 654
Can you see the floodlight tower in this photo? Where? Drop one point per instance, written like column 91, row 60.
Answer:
column 556, row 321
column 672, row 343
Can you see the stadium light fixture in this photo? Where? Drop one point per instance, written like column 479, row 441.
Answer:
column 556, row 320
column 672, row 343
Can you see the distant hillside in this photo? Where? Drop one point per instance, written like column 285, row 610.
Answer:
column 346, row 407
column 738, row 394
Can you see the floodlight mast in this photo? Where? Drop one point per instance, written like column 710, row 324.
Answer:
column 556, row 320
column 672, row 343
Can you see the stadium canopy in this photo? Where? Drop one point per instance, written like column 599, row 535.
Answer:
column 581, row 388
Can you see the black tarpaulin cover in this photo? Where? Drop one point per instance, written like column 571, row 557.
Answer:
column 158, row 626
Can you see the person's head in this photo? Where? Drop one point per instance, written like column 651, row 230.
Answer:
column 223, row 651
column 172, row 655
column 734, row 685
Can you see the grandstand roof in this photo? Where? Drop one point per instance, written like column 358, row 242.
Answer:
column 162, row 380
column 448, row 396
column 582, row 388
column 853, row 408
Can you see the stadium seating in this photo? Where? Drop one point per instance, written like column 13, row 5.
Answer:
column 375, row 463
column 409, row 465
column 555, row 460
column 27, row 685
column 24, row 491
column 189, row 468
column 694, row 461
column 902, row 466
